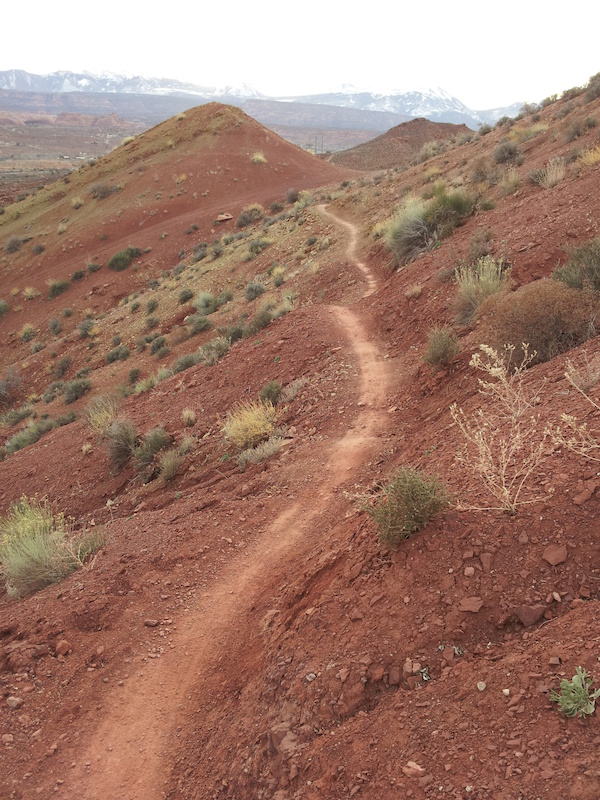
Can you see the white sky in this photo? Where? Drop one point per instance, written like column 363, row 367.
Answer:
column 485, row 54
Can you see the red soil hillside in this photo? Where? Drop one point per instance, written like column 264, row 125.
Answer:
column 181, row 173
column 244, row 629
column 399, row 146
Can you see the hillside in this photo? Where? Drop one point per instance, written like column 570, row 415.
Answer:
column 399, row 146
column 242, row 628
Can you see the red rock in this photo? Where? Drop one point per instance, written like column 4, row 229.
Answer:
column 413, row 681
column 63, row 647
column 529, row 615
column 394, row 676
column 151, row 623
column 486, row 561
column 555, row 554
column 472, row 604
column 40, row 650
column 14, row 702
column 356, row 615
column 343, row 674
column 413, row 770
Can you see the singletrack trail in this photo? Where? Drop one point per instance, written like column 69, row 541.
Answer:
column 127, row 755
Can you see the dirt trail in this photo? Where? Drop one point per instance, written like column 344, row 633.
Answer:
column 126, row 755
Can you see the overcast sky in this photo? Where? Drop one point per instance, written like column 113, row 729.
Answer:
column 485, row 54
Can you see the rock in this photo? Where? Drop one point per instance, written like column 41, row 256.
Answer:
column 472, row 604
column 486, row 561
column 413, row 770
column 413, row 681
column 356, row 615
column 394, row 676
column 469, row 572
column 151, row 623
column 529, row 615
column 343, row 674
column 523, row 538
column 555, row 554
column 40, row 650
column 14, row 702
column 7, row 738
column 63, row 647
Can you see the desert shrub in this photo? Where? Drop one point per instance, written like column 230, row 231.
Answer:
column 37, row 249
column 185, row 362
column 123, row 258
column 510, row 181
column 250, row 214
column 119, row 353
column 157, row 344
column 185, row 295
column 13, row 244
column 481, row 244
column 28, row 435
column 151, row 305
column 57, row 287
column 271, row 393
column 575, row 698
column 4, row 308
column 93, row 267
column 446, row 210
column 199, row 252
column 67, row 312
column 61, row 366
column 77, row 275
column 101, row 190
column 407, row 234
column 38, row 547
column 582, row 270
column 476, row 282
column 258, row 158
column 151, row 322
column 188, row 417
column 85, row 327
column 256, row 246
column 253, row 290
column 198, row 323
column 249, row 424
column 153, row 442
column 550, row 175
column 261, row 320
column 205, row 303
column 442, row 346
column 484, row 129
column 54, row 326
column 100, row 413
column 27, row 332
column 292, row 195
column 75, row 389
column 15, row 415
column 507, row 152
column 121, row 440
column 549, row 316
column 276, row 207
column 406, row 504
column 262, row 451
column 169, row 464
column 211, row 352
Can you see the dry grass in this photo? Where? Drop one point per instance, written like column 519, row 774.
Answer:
column 477, row 282
column 590, row 157
column 101, row 413
column 263, row 451
column 188, row 417
column 249, row 424
column 551, row 174
column 442, row 346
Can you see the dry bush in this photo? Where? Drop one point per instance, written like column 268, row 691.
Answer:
column 188, row 417
column 582, row 270
column 153, row 442
column 476, row 283
column 510, row 181
column 263, row 451
column 505, row 443
column 549, row 316
column 573, row 434
column 121, row 442
column 551, row 174
column 407, row 503
column 101, row 413
column 169, row 464
column 249, row 424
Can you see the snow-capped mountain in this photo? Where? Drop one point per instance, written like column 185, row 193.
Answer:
column 434, row 104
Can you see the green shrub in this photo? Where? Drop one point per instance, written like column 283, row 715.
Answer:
column 256, row 246
column 205, row 303
column 85, row 327
column 54, row 326
column 582, row 270
column 407, row 503
column 442, row 346
column 38, row 547
column 134, row 375
column 253, row 290
column 57, row 287
column 549, row 316
column 151, row 322
column 476, row 282
column 153, row 442
column 15, row 415
column 271, row 393
column 507, row 152
column 575, row 698
column 75, row 389
column 446, row 210
column 121, row 440
column 77, row 275
column 123, row 258
column 198, row 323
column 407, row 234
column 120, row 353
column 13, row 244
column 211, row 352
column 4, row 308
column 27, row 333
column 185, row 362
column 151, row 305
column 30, row 434
column 61, row 366
column 157, row 344
column 92, row 267
column 250, row 214
column 185, row 295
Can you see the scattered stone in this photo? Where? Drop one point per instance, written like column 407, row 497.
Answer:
column 555, row 661
column 486, row 561
column 310, row 677
column 469, row 572
column 529, row 615
column 40, row 650
column 7, row 738
column 413, row 770
column 343, row 674
column 151, row 623
column 555, row 554
column 63, row 647
column 356, row 615
column 394, row 676
column 14, row 702
column 472, row 604
column 481, row 685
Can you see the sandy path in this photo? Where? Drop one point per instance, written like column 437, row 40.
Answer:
column 126, row 757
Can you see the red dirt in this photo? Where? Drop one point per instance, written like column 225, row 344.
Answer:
column 293, row 655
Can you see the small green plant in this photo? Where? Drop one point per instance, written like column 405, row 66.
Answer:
column 57, row 287
column 507, row 152
column 575, row 698
column 185, row 295
column 582, row 270
column 151, row 305
column 253, row 290
column 13, row 244
column 61, row 366
column 476, row 282
column 407, row 503
column 271, row 392
column 4, row 308
column 38, row 547
column 169, row 464
column 123, row 258
column 27, row 333
column 75, row 389
column 54, row 326
column 442, row 346
column 119, row 353
column 153, row 442
column 121, row 440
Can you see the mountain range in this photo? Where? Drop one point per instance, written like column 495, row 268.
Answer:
column 434, row 104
